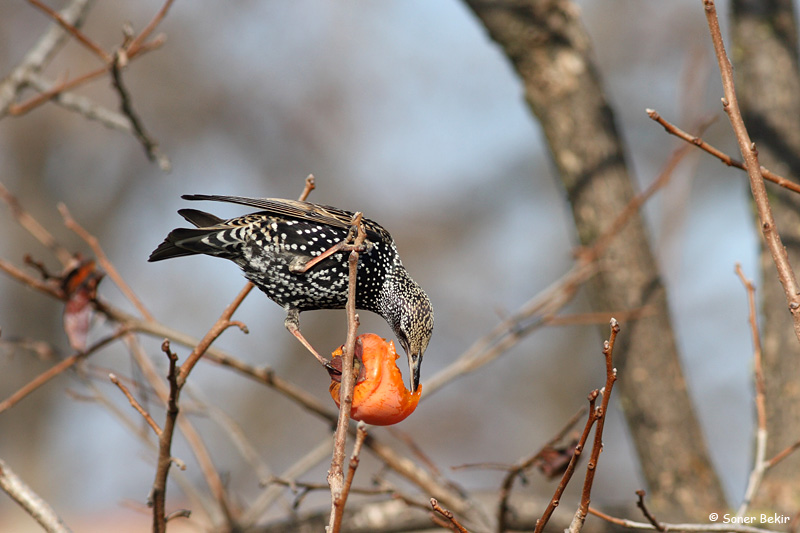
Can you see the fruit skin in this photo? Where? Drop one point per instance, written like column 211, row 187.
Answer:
column 380, row 397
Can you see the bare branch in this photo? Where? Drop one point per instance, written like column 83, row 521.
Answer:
column 646, row 512
column 750, row 155
column 597, row 446
column 30, row 501
column 691, row 528
column 336, row 474
column 56, row 370
column 126, row 106
column 135, row 404
column 38, row 56
column 107, row 266
column 449, row 516
column 719, row 154
column 72, row 30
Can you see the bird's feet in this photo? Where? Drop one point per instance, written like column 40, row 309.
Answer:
column 292, row 323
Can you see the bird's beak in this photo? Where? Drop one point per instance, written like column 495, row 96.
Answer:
column 414, row 363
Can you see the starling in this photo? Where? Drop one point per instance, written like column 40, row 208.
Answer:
column 291, row 251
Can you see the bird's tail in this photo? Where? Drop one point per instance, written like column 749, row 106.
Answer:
column 203, row 239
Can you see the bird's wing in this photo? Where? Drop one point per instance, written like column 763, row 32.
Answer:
column 321, row 214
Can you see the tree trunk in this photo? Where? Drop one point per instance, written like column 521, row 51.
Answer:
column 764, row 52
column 551, row 51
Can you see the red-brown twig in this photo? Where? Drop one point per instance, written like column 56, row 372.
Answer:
column 43, row 97
column 159, row 490
column 646, row 512
column 192, row 436
column 759, row 464
column 223, row 323
column 449, row 516
column 310, row 185
column 719, row 154
column 56, row 370
column 515, row 471
column 177, row 379
column 72, row 30
column 336, row 472
column 33, row 227
column 51, row 289
column 750, row 155
column 107, row 266
column 138, row 44
column 783, row 454
column 135, row 404
column 597, row 447
column 361, row 434
column 565, row 478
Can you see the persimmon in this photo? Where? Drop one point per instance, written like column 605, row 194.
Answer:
column 380, row 397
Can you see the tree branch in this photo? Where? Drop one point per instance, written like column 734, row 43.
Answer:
column 34, row 505
column 750, row 155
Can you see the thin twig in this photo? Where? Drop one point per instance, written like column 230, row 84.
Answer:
column 646, row 512
column 783, row 454
column 33, row 504
column 126, row 107
column 597, row 447
column 137, row 45
column 107, row 266
column 449, row 516
column 515, row 471
column 295, row 485
column 361, row 434
column 693, row 528
column 769, row 228
column 310, row 185
column 263, row 502
column 192, row 436
column 336, row 472
column 57, row 369
column 72, row 30
column 567, row 476
column 719, row 154
column 159, row 490
column 41, row 53
column 759, row 464
column 33, row 227
column 50, row 289
column 135, row 404
column 223, row 323
column 58, row 88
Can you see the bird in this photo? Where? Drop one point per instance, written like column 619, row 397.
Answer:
column 293, row 252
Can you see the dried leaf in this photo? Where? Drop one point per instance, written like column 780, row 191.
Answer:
column 80, row 288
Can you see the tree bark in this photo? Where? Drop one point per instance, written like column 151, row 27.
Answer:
column 764, row 53
column 551, row 52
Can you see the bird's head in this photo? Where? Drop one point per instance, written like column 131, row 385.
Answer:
column 411, row 318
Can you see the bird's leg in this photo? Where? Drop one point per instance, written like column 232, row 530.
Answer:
column 292, row 323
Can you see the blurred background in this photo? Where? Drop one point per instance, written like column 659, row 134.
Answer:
column 407, row 112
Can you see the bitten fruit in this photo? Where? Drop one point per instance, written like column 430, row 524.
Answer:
column 380, row 397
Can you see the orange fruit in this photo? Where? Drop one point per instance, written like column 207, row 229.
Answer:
column 380, row 397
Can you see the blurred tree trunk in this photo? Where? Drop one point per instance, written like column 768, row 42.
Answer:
column 764, row 52
column 551, row 51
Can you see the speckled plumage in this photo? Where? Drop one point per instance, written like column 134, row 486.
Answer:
column 270, row 244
